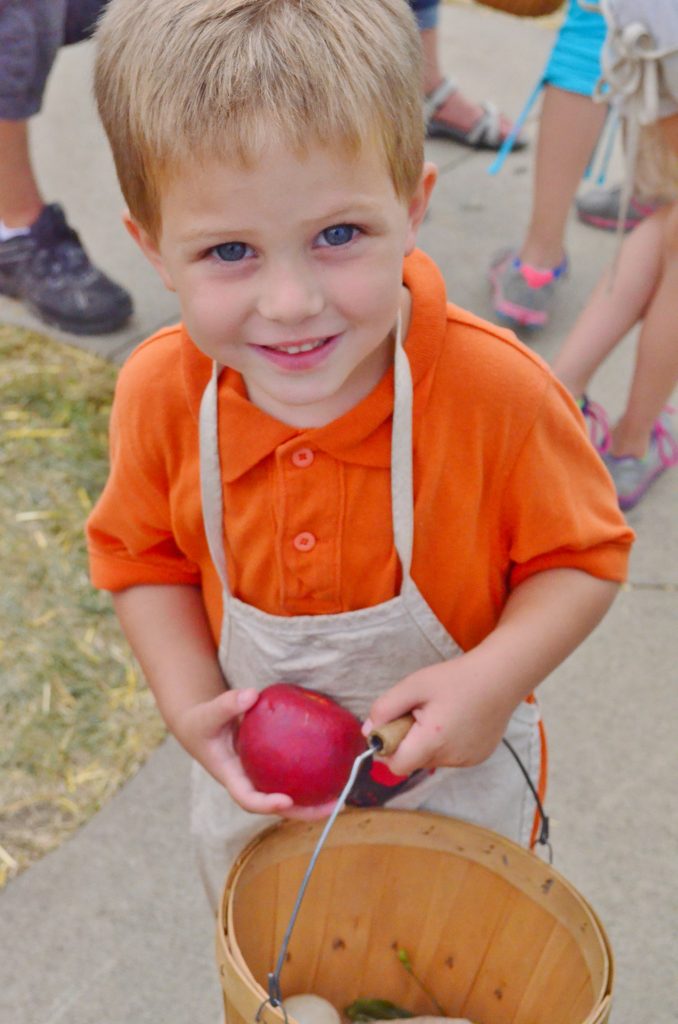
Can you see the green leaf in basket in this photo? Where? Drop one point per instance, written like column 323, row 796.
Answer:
column 404, row 958
column 375, row 1009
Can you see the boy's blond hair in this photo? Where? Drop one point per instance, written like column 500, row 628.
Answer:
column 181, row 80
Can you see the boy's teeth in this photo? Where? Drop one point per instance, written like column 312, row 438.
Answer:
column 308, row 346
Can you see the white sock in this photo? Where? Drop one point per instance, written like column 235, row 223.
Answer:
column 7, row 233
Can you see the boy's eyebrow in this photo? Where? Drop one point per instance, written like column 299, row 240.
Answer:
column 348, row 207
column 211, row 234
column 347, row 211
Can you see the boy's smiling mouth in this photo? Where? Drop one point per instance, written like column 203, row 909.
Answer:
column 293, row 348
column 299, row 355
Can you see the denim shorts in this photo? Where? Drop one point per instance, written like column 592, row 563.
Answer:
column 426, row 13
column 31, row 34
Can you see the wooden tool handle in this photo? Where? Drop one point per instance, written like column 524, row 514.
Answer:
column 391, row 735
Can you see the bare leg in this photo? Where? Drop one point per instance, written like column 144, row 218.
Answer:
column 20, row 199
column 669, row 127
column 569, row 127
column 611, row 312
column 656, row 370
column 456, row 109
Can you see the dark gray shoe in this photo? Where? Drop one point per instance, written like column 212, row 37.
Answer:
column 50, row 272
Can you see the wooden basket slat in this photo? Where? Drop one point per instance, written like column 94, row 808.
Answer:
column 405, row 916
column 446, row 879
column 505, row 971
column 346, row 936
column 581, row 1009
column 259, row 906
column 392, row 977
column 553, row 974
column 472, row 922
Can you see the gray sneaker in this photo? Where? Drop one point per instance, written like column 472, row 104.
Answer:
column 632, row 477
column 522, row 295
column 601, row 206
column 50, row 272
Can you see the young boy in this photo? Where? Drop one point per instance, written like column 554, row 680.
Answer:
column 326, row 475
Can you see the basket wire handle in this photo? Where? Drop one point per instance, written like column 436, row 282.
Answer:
column 380, row 741
column 544, row 829
column 274, row 993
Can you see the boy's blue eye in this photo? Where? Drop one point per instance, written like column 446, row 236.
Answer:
column 231, row 252
column 338, row 234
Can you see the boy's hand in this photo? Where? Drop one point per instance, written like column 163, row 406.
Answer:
column 459, row 718
column 462, row 707
column 208, row 732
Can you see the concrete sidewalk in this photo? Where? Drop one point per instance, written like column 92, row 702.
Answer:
column 112, row 927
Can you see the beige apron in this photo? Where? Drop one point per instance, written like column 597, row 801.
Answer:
column 352, row 656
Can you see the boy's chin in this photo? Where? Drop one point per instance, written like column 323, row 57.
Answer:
column 303, row 407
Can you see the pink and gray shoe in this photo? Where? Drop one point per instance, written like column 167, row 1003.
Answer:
column 632, row 476
column 523, row 295
column 597, row 424
column 601, row 208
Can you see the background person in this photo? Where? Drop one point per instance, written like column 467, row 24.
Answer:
column 643, row 284
column 42, row 261
column 449, row 113
column 524, row 279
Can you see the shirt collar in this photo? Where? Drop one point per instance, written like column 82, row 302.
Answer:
column 248, row 435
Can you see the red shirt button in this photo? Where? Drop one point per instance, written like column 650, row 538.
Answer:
column 304, row 541
column 303, row 457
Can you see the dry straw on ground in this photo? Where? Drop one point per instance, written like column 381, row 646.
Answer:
column 76, row 720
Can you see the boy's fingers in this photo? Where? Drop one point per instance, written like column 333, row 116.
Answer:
column 417, row 750
column 231, row 774
column 249, row 798
column 314, row 813
column 227, row 706
column 401, row 699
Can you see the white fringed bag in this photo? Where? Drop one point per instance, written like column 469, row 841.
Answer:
column 639, row 76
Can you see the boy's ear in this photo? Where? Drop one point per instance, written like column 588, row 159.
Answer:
column 148, row 247
column 419, row 203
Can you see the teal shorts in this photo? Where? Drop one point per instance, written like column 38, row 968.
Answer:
column 574, row 63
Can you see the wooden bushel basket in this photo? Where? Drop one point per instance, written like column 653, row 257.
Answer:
column 493, row 931
column 524, row 8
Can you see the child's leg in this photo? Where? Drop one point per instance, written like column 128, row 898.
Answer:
column 669, row 127
column 569, row 127
column 656, row 369
column 524, row 282
column 611, row 311
column 456, row 110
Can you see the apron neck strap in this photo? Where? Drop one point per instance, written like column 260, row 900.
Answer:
column 402, row 490
column 211, row 487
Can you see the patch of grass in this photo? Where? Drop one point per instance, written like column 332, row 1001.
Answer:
column 76, row 719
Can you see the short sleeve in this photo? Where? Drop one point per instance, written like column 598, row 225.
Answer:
column 131, row 533
column 572, row 519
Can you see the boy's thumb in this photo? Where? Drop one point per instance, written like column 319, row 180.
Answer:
column 230, row 704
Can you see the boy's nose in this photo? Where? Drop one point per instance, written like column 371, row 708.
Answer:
column 290, row 296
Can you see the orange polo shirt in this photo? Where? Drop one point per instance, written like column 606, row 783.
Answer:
column 506, row 482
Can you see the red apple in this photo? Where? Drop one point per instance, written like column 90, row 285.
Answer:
column 300, row 742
